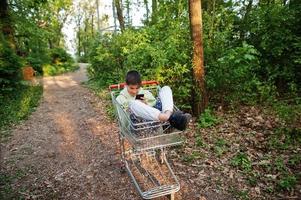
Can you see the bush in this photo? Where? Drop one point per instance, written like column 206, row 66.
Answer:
column 233, row 74
column 18, row 104
column 37, row 60
column 165, row 58
column 52, row 70
column 207, row 119
column 59, row 55
column 10, row 67
column 61, row 62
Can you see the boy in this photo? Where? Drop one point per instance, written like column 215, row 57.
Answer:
column 144, row 106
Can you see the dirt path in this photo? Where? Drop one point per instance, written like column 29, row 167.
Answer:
column 67, row 147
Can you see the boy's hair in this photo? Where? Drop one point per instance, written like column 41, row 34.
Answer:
column 133, row 78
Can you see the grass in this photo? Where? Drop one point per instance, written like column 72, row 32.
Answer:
column 220, row 147
column 242, row 161
column 17, row 105
column 189, row 158
column 207, row 119
column 6, row 190
column 287, row 182
column 104, row 94
column 239, row 194
column 199, row 141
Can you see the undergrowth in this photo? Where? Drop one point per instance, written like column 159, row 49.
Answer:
column 17, row 105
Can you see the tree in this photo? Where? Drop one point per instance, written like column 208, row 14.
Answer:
column 200, row 96
column 5, row 23
column 128, row 17
column 114, row 15
column 147, row 9
column 98, row 19
column 118, row 4
column 154, row 11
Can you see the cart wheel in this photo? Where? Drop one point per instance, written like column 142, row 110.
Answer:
column 122, row 168
column 171, row 196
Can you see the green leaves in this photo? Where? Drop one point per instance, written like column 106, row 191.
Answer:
column 207, row 119
column 10, row 67
column 242, row 161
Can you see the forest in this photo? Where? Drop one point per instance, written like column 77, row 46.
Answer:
column 235, row 65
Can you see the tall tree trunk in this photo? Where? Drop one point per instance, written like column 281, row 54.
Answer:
column 79, row 41
column 245, row 18
column 98, row 20
column 128, row 12
column 92, row 25
column 147, row 9
column 154, row 11
column 195, row 16
column 85, row 37
column 5, row 24
column 118, row 4
column 114, row 15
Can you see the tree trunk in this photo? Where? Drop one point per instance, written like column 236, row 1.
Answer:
column 98, row 20
column 245, row 19
column 118, row 4
column 114, row 16
column 147, row 9
column 128, row 12
column 195, row 15
column 85, row 36
column 154, row 11
column 92, row 25
column 79, row 41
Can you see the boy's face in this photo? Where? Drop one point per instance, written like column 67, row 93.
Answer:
column 133, row 89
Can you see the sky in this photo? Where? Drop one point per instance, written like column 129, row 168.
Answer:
column 105, row 8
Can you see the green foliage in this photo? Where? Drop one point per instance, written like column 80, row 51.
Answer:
column 207, row 119
column 10, row 67
column 295, row 160
column 242, row 161
column 56, row 69
column 280, row 165
column 251, row 54
column 220, row 147
column 285, row 138
column 234, row 74
column 103, row 93
column 273, row 32
column 18, row 104
column 59, row 55
column 288, row 112
column 239, row 194
column 160, row 58
column 189, row 158
column 6, row 190
column 199, row 141
column 287, row 182
column 61, row 62
column 253, row 179
column 37, row 60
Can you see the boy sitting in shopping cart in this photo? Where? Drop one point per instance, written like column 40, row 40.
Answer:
column 144, row 105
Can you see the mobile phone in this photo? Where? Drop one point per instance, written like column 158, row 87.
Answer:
column 139, row 96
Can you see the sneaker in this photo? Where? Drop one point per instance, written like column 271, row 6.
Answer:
column 179, row 120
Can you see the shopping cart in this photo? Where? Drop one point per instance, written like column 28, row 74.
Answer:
column 143, row 149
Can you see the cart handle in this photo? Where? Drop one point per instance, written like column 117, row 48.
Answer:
column 121, row 85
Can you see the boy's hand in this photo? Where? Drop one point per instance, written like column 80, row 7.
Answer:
column 143, row 100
